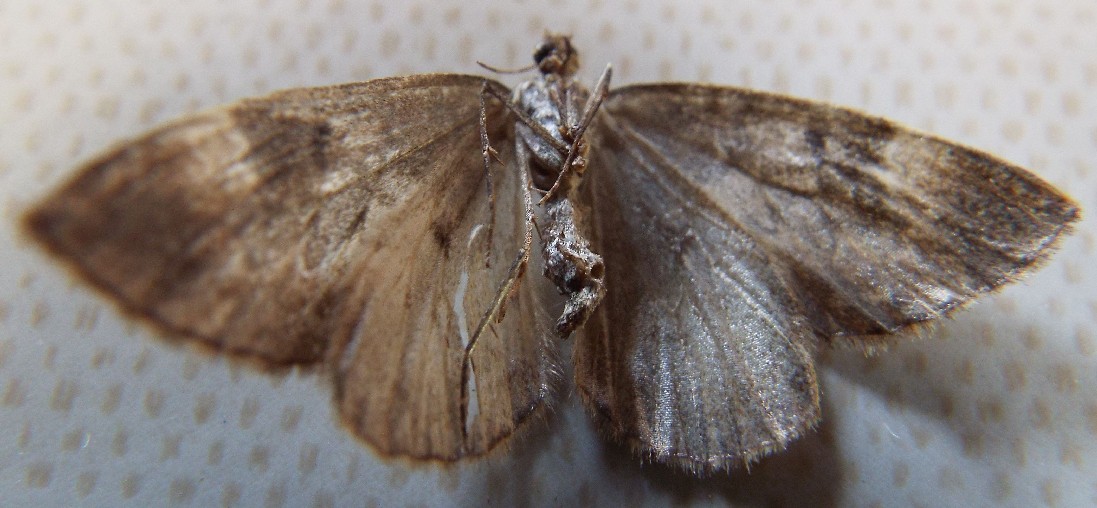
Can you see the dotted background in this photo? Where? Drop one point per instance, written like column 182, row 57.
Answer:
column 996, row 406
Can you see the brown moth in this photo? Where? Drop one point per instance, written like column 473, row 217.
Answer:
column 707, row 241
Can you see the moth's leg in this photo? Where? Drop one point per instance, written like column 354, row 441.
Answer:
column 537, row 227
column 509, row 287
column 522, row 156
column 490, row 89
column 601, row 90
column 488, row 152
column 503, row 95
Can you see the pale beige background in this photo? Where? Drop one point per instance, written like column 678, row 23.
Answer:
column 997, row 407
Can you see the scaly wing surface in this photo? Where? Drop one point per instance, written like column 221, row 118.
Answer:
column 740, row 229
column 338, row 226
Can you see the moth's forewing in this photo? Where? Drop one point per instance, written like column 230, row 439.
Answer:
column 400, row 381
column 755, row 226
column 319, row 225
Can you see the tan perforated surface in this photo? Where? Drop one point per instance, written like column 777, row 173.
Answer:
column 996, row 406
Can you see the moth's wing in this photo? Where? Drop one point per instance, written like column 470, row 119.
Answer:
column 333, row 226
column 740, row 229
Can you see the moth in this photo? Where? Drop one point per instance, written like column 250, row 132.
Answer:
column 706, row 242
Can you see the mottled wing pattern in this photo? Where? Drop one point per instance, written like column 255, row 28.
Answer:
column 324, row 226
column 740, row 229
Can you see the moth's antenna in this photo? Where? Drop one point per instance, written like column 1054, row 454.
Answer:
column 497, row 70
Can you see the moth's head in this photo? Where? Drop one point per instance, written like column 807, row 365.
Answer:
column 555, row 55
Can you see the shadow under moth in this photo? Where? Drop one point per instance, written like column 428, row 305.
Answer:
column 706, row 242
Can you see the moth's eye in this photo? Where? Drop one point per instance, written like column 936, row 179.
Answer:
column 598, row 271
column 543, row 51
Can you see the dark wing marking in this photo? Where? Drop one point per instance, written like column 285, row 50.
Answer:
column 325, row 225
column 740, row 228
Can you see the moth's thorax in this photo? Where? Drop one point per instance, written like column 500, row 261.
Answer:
column 555, row 103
